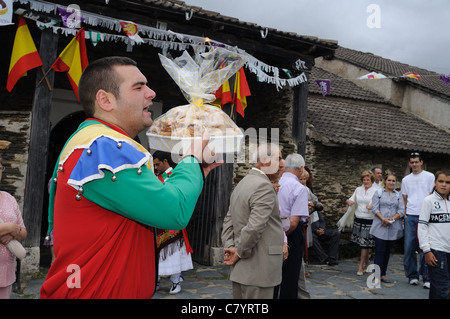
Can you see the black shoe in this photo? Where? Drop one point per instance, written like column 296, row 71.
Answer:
column 332, row 263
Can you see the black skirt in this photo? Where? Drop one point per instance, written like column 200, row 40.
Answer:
column 361, row 233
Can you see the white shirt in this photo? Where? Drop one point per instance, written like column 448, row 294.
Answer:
column 292, row 197
column 363, row 198
column 434, row 224
column 377, row 185
column 416, row 187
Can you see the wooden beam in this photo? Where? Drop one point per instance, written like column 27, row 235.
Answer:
column 299, row 117
column 39, row 140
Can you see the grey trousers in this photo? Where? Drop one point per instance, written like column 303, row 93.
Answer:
column 241, row 291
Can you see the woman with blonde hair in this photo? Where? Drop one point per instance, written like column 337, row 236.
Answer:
column 362, row 198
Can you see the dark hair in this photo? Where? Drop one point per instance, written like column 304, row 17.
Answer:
column 374, row 168
column 161, row 156
column 414, row 155
column 100, row 75
column 445, row 172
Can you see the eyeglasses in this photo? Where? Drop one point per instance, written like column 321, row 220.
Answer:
column 414, row 154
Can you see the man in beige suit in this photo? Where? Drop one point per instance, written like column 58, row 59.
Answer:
column 252, row 232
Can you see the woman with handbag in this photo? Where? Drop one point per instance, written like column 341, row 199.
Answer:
column 12, row 231
column 362, row 198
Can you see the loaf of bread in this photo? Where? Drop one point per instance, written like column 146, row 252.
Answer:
column 192, row 120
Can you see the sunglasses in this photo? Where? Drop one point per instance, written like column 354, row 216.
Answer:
column 3, row 168
column 414, row 154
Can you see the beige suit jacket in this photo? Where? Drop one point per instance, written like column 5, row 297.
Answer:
column 253, row 225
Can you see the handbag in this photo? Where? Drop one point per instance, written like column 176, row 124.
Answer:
column 16, row 247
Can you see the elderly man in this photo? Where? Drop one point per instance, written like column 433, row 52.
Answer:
column 252, row 232
column 293, row 198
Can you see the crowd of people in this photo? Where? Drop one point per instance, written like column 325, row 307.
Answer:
column 378, row 215
column 104, row 231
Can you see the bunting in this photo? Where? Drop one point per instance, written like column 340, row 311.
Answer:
column 6, row 12
column 413, row 76
column 445, row 78
column 169, row 40
column 24, row 55
column 325, row 86
column 373, row 75
column 73, row 60
column 131, row 30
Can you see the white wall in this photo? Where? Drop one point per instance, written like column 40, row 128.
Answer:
column 424, row 105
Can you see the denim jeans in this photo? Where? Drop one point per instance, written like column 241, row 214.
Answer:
column 440, row 276
column 411, row 246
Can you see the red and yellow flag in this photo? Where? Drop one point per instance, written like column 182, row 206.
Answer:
column 24, row 55
column 413, row 76
column 241, row 91
column 73, row 60
column 223, row 95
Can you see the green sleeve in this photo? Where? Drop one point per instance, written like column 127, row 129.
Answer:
column 142, row 197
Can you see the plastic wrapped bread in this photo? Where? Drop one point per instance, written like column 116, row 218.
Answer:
column 198, row 79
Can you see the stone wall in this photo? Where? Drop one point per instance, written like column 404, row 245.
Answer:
column 15, row 129
column 336, row 169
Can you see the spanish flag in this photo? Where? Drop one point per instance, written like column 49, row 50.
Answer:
column 24, row 55
column 73, row 60
column 223, row 95
column 241, row 91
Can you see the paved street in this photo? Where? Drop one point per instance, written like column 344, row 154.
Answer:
column 324, row 282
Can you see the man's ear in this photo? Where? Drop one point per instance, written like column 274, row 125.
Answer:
column 105, row 100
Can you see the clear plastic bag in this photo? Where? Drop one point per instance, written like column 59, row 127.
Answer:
column 198, row 79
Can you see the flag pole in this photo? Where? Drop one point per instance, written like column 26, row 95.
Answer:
column 45, row 77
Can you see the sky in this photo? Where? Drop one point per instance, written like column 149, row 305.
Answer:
column 414, row 32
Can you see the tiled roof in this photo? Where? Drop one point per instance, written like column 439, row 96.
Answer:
column 341, row 87
column 430, row 80
column 354, row 124
column 199, row 11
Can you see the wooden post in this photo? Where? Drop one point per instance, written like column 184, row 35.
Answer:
column 299, row 117
column 39, row 141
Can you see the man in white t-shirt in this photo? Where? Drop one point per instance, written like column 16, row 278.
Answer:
column 415, row 187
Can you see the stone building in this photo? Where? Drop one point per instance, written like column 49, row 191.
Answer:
column 356, row 127
column 36, row 120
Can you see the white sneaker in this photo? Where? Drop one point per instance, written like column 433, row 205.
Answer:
column 414, row 281
column 176, row 288
column 426, row 285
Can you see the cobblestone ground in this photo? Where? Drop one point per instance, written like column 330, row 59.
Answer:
column 323, row 282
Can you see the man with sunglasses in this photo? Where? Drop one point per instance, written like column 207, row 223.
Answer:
column 415, row 187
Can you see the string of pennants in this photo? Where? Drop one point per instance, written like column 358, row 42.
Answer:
column 325, row 84
column 168, row 40
column 136, row 34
